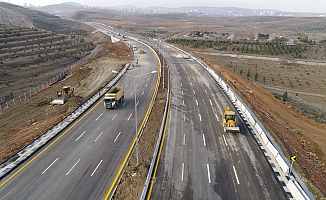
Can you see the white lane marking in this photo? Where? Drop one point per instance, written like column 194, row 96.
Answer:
column 182, row 92
column 184, row 139
column 129, row 116
column 117, row 137
column 126, row 85
column 114, row 117
column 73, row 167
column 99, row 117
column 226, row 144
column 98, row 136
column 205, row 91
column 209, row 175
column 199, row 117
column 190, row 82
column 137, row 84
column 236, row 176
column 149, row 78
column 96, row 168
column 184, row 117
column 146, row 85
column 196, row 102
column 142, row 93
column 182, row 170
column 50, row 165
column 183, row 102
column 194, row 91
column 217, row 117
column 210, row 102
column 204, row 140
column 131, row 93
column 80, row 136
column 124, row 103
column 181, row 84
column 137, row 103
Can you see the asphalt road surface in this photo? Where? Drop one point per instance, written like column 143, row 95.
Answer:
column 199, row 160
column 84, row 160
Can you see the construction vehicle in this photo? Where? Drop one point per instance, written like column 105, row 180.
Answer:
column 63, row 95
column 114, row 96
column 229, row 122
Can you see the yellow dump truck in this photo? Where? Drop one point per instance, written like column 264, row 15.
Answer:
column 63, row 95
column 114, row 96
column 229, row 121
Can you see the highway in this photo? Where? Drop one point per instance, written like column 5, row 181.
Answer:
column 199, row 160
column 82, row 162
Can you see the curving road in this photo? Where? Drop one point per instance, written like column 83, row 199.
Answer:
column 199, row 160
column 82, row 162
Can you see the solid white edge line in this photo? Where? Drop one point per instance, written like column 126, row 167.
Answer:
column 129, row 116
column 199, row 117
column 98, row 136
column 50, row 165
column 182, row 170
column 204, row 140
column 114, row 117
column 226, row 144
column 209, row 175
column 236, row 176
column 80, row 136
column 99, row 117
column 73, row 167
column 117, row 137
column 96, row 167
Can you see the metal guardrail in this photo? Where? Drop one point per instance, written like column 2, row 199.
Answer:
column 53, row 80
column 12, row 162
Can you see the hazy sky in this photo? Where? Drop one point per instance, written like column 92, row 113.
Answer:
column 283, row 5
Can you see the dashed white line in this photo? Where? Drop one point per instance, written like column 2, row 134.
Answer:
column 184, row 139
column 190, row 82
column 146, row 85
column 50, row 165
column 226, row 144
column 194, row 91
column 137, row 103
column 210, row 102
column 181, row 84
column 205, row 91
column 182, row 92
column 142, row 93
column 129, row 116
column 196, row 102
column 236, row 176
column 117, row 137
column 199, row 117
column 114, row 117
column 80, row 136
column 184, row 117
column 149, row 78
column 183, row 102
column 72, row 167
column 124, row 103
column 96, row 168
column 98, row 136
column 182, row 170
column 99, row 117
column 204, row 140
column 217, row 117
column 209, row 174
column 131, row 93
column 126, row 85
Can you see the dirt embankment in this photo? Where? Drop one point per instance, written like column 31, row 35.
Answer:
column 23, row 123
column 295, row 134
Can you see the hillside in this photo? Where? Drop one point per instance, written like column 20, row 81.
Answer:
column 25, row 17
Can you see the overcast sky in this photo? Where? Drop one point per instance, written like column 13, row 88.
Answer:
column 283, row 5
